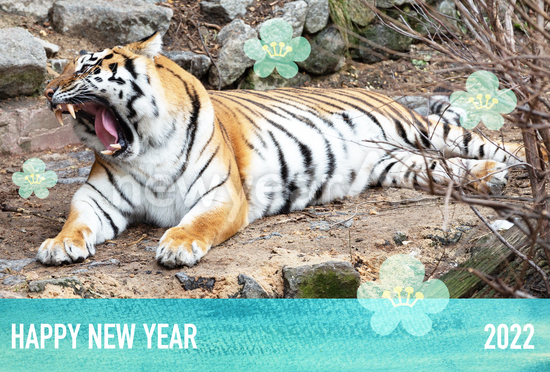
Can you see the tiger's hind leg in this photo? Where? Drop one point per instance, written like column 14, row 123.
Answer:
column 404, row 169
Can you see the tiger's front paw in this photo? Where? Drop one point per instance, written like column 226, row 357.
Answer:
column 65, row 250
column 176, row 248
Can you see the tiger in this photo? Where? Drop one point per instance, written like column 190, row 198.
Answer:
column 205, row 164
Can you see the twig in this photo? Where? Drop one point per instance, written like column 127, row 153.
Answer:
column 139, row 240
column 212, row 26
column 6, row 208
column 197, row 26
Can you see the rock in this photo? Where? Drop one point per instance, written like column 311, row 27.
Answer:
column 86, row 155
column 441, row 237
column 360, row 13
column 236, row 30
column 251, row 288
column 326, row 280
column 327, row 53
column 15, row 265
column 273, row 81
column 71, row 282
column 110, row 261
column 294, row 13
column 392, row 3
column 22, row 63
column 107, row 22
column 317, row 15
column 383, row 36
column 71, row 180
column 196, row 64
column 58, row 65
column 14, row 279
column 50, row 48
column 6, row 295
column 225, row 10
column 27, row 128
column 447, row 8
column 232, row 61
column 399, row 238
column 190, row 283
column 32, row 8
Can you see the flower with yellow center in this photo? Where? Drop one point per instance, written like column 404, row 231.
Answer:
column 483, row 101
column 403, row 297
column 34, row 179
column 277, row 49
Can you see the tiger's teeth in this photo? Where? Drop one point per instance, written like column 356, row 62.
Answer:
column 71, row 110
column 58, row 107
column 116, row 146
column 107, row 152
column 59, row 116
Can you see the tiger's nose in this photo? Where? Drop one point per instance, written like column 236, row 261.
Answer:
column 49, row 93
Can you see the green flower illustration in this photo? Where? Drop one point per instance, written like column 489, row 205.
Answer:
column 402, row 297
column 277, row 49
column 483, row 101
column 34, row 179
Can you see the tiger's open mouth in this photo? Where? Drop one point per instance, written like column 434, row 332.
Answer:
column 105, row 122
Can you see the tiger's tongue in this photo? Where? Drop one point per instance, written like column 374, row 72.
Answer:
column 105, row 127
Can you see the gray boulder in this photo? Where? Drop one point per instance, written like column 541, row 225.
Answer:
column 58, row 65
column 69, row 282
column 383, row 36
column 196, row 64
column 15, row 265
column 225, row 10
column 326, row 280
column 251, row 288
column 22, row 63
column 294, row 13
column 190, row 283
column 273, row 81
column 37, row 9
column 108, row 23
column 317, row 15
column 392, row 3
column 448, row 9
column 327, row 53
column 14, row 279
column 235, row 30
column 360, row 13
column 232, row 61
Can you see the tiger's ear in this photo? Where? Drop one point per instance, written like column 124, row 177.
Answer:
column 149, row 46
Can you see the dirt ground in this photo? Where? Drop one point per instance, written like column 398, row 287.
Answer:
column 125, row 267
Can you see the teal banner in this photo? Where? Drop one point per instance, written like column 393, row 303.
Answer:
column 270, row 335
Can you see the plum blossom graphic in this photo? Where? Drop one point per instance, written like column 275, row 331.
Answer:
column 277, row 49
column 403, row 297
column 34, row 179
column 483, row 101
